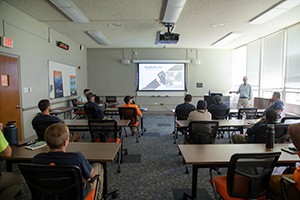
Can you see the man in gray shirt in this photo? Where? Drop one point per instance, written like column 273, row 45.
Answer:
column 245, row 91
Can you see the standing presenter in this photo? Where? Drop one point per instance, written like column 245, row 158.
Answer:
column 245, row 91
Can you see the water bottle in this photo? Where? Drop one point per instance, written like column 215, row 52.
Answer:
column 270, row 136
column 10, row 132
column 209, row 93
column 244, row 116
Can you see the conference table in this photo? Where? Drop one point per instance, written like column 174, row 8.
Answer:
column 218, row 155
column 63, row 110
column 94, row 152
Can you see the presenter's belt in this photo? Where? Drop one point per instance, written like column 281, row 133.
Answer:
column 244, row 97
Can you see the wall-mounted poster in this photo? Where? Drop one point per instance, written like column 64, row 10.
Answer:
column 58, row 84
column 73, row 85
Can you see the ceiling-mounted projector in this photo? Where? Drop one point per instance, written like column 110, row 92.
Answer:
column 168, row 38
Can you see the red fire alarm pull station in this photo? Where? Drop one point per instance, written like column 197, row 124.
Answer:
column 79, row 67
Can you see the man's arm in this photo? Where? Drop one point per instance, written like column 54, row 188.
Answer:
column 6, row 153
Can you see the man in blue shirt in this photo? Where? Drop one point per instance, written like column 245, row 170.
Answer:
column 278, row 104
column 245, row 91
column 182, row 110
column 91, row 102
column 218, row 103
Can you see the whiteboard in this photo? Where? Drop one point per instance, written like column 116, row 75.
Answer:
column 62, row 80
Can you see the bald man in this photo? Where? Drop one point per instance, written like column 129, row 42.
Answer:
column 245, row 91
column 293, row 192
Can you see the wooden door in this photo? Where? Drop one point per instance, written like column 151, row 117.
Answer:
column 9, row 92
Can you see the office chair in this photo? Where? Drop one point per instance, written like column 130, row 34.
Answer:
column 247, row 176
column 181, row 114
column 220, row 113
column 286, row 182
column 130, row 113
column 107, row 131
column 78, row 114
column 56, row 182
column 290, row 120
column 281, row 131
column 40, row 128
column 111, row 99
column 201, row 132
column 251, row 113
column 91, row 112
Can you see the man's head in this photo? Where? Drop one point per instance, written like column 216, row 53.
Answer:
column 271, row 116
column 276, row 96
column 57, row 136
column 90, row 97
column 128, row 99
column 86, row 91
column 217, row 98
column 44, row 104
column 188, row 98
column 245, row 79
column 294, row 131
column 201, row 105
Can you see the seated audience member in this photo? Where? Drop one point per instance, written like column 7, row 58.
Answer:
column 218, row 103
column 10, row 183
column 278, row 104
column 91, row 102
column 129, row 104
column 57, row 138
column 81, row 100
column 182, row 110
column 293, row 191
column 250, row 136
column 45, row 108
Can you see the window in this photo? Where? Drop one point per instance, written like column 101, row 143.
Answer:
column 239, row 66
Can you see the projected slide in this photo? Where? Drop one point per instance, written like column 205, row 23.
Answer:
column 161, row 77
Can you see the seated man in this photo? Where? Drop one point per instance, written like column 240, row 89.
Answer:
column 250, row 136
column 278, row 104
column 81, row 100
column 182, row 110
column 45, row 107
column 91, row 102
column 218, row 103
column 10, row 183
column 57, row 138
column 129, row 104
column 292, row 191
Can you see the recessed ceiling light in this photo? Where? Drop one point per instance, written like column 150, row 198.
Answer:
column 115, row 24
column 217, row 25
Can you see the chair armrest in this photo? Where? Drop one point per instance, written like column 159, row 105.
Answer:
column 288, row 180
column 72, row 133
column 96, row 177
column 212, row 180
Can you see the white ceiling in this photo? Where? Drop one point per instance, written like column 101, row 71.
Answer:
column 140, row 21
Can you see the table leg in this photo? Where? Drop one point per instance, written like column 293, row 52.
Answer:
column 9, row 165
column 194, row 182
column 142, row 125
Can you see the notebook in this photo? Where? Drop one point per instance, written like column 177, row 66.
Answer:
column 36, row 145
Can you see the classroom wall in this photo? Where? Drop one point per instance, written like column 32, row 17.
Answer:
column 31, row 44
column 107, row 76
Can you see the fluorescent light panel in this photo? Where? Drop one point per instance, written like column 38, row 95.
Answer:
column 173, row 10
column 276, row 11
column 67, row 7
column 96, row 35
column 227, row 38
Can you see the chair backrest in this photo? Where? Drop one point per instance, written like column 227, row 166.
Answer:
column 97, row 99
column 250, row 113
column 183, row 113
column 220, row 113
column 91, row 112
column 74, row 102
column 128, row 113
column 109, row 99
column 290, row 120
column 202, row 132
column 40, row 128
column 252, row 169
column 53, row 182
column 281, row 131
column 102, row 129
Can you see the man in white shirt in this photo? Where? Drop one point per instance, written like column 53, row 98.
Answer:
column 82, row 99
column 245, row 91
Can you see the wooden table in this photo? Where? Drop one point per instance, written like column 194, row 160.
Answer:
column 218, row 155
column 64, row 110
column 94, row 152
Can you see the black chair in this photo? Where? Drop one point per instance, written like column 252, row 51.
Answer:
column 111, row 100
column 55, row 182
column 107, row 131
column 78, row 114
column 40, row 128
column 251, row 113
column 91, row 112
column 181, row 114
column 220, row 113
column 247, row 177
column 290, row 120
column 130, row 114
column 284, row 181
column 281, row 131
column 201, row 132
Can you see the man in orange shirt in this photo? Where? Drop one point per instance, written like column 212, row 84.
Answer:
column 130, row 104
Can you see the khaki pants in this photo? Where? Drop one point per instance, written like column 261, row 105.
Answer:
column 243, row 102
column 76, row 137
column 98, row 169
column 133, row 129
column 238, row 139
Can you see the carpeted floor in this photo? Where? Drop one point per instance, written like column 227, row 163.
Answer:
column 153, row 169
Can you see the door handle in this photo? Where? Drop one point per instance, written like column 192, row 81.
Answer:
column 19, row 107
